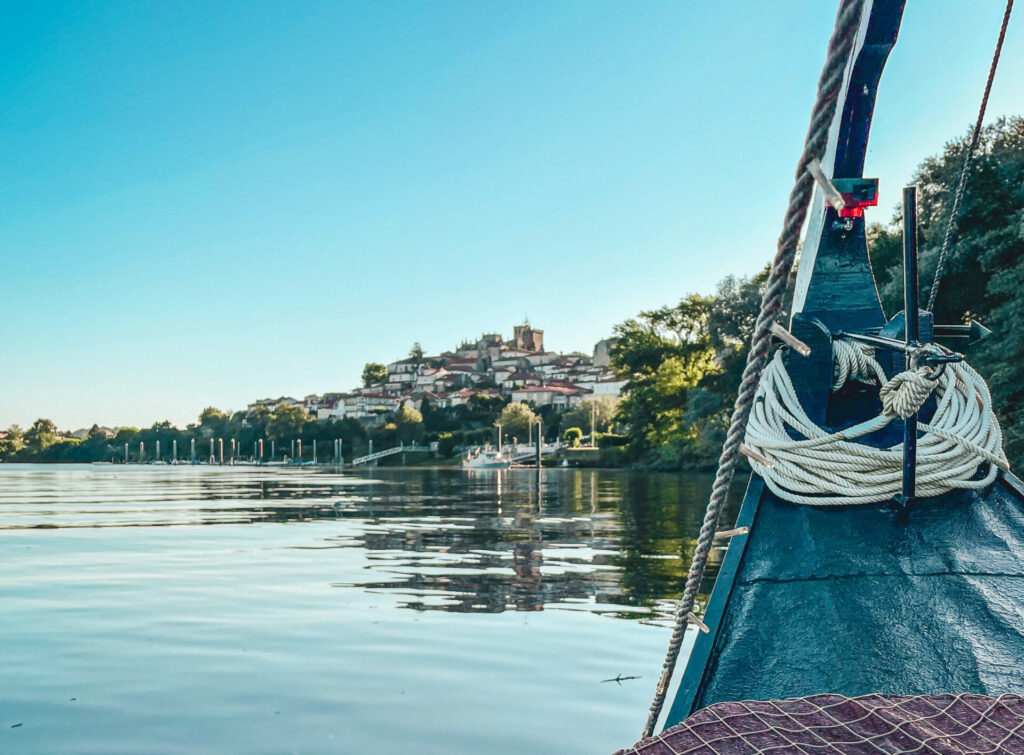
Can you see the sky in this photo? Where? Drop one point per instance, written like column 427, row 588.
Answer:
column 206, row 203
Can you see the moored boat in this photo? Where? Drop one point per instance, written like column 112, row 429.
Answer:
column 486, row 458
column 871, row 597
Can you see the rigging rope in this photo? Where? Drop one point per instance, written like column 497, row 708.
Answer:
column 829, row 85
column 828, row 469
column 954, row 213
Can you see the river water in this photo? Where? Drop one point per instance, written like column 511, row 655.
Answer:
column 242, row 609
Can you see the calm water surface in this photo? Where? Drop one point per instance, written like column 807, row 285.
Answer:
column 232, row 609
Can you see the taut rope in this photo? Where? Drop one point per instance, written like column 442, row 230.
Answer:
column 954, row 213
column 829, row 85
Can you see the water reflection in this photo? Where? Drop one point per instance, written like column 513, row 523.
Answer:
column 443, row 540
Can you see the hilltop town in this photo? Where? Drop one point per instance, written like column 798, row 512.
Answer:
column 518, row 370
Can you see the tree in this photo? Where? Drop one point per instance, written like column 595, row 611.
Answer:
column 985, row 271
column 288, row 420
column 409, row 423
column 516, row 418
column 258, row 418
column 211, row 415
column 573, row 436
column 602, row 408
column 41, row 435
column 407, row 415
column 416, row 353
column 445, row 445
column 663, row 353
column 373, row 373
column 12, row 442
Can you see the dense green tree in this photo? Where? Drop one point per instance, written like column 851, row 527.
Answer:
column 408, row 423
column 662, row 354
column 416, row 353
column 41, row 435
column 445, row 445
column 288, row 421
column 213, row 422
column 682, row 365
column 373, row 373
column 210, row 415
column 602, row 409
column 985, row 274
column 516, row 419
column 572, row 436
column 408, row 415
column 96, row 432
column 11, row 443
column 479, row 411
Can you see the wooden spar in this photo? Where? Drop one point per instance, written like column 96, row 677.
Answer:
column 834, row 281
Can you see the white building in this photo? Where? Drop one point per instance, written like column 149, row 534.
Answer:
column 558, row 396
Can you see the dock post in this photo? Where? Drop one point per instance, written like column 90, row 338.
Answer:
column 299, row 457
column 314, row 450
column 911, row 330
column 142, row 451
column 174, row 450
column 220, row 449
column 125, row 453
column 540, row 442
column 157, row 451
column 192, row 450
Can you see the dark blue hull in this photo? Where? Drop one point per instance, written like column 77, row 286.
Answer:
column 865, row 599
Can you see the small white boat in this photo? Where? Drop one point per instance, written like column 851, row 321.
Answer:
column 485, row 459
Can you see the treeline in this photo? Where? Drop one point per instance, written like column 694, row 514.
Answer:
column 684, row 362
column 43, row 443
column 238, row 433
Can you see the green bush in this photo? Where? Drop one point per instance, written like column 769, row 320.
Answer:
column 446, row 444
column 573, row 436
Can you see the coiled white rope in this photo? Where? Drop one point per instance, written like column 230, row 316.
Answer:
column 829, row 469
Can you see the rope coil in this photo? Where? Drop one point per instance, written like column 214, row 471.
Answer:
column 819, row 468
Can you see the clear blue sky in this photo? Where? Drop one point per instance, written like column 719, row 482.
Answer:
column 210, row 202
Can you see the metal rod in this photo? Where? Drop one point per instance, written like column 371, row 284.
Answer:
column 943, row 355
column 910, row 313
